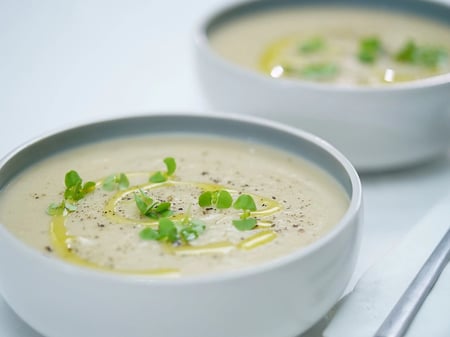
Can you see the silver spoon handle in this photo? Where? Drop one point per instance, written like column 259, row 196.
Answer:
column 397, row 322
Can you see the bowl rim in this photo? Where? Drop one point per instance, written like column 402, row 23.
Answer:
column 201, row 43
column 352, row 213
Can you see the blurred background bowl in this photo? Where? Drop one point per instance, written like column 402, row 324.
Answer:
column 388, row 126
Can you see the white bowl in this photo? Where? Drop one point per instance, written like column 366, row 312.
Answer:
column 280, row 298
column 377, row 128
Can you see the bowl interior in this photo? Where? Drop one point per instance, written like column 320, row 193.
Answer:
column 247, row 129
column 298, row 142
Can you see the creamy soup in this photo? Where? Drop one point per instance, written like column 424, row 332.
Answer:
column 336, row 45
column 178, row 205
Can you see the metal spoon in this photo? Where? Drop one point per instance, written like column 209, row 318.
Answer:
column 399, row 319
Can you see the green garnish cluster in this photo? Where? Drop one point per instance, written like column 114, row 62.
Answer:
column 150, row 208
column 168, row 230
column 222, row 199
column 75, row 191
column 173, row 231
column 422, row 55
column 370, row 49
column 427, row 56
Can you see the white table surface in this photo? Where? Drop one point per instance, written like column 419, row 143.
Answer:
column 64, row 62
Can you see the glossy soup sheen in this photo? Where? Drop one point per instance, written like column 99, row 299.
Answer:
column 347, row 46
column 296, row 202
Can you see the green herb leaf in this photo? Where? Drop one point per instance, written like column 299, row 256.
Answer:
column 245, row 202
column 150, row 208
column 422, row 55
column 312, row 45
column 172, row 232
column 61, row 208
column 319, row 71
column 188, row 234
column 123, row 181
column 56, row 209
column 192, row 231
column 88, row 187
column 73, row 186
column 408, row 53
column 162, row 210
column 113, row 182
column 205, row 199
column 167, row 230
column 223, row 199
column 75, row 190
column 143, row 202
column 220, row 199
column 171, row 165
column 72, row 179
column 109, row 183
column 245, row 224
column 159, row 177
column 149, row 234
column 369, row 49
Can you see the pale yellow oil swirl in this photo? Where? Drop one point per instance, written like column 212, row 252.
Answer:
column 270, row 56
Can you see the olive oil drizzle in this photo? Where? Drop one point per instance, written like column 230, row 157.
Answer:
column 62, row 240
column 267, row 60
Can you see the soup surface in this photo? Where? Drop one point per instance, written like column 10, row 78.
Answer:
column 177, row 205
column 336, row 45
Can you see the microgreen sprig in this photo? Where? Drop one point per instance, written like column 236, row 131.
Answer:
column 223, row 199
column 245, row 203
column 369, row 49
column 220, row 199
column 116, row 181
column 312, row 45
column 421, row 55
column 75, row 191
column 166, row 231
column 60, row 208
column 170, row 231
column 150, row 208
column 159, row 176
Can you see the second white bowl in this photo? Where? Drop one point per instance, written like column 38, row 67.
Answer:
column 377, row 128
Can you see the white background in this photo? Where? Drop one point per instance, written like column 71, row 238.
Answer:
column 65, row 62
